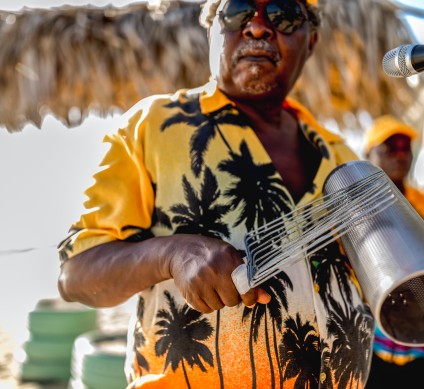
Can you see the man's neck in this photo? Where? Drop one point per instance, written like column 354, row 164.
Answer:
column 267, row 112
column 268, row 109
column 275, row 119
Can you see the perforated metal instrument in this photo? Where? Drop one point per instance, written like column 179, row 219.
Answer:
column 382, row 234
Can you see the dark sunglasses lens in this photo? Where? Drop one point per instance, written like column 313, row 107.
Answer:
column 236, row 14
column 285, row 16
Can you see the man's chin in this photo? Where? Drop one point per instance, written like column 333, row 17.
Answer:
column 255, row 83
column 257, row 89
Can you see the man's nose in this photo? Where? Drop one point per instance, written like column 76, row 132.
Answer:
column 259, row 27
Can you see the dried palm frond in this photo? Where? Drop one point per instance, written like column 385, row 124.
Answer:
column 345, row 76
column 72, row 61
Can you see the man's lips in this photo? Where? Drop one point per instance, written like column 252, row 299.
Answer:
column 257, row 51
column 257, row 55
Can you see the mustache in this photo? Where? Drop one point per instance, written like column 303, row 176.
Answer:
column 254, row 46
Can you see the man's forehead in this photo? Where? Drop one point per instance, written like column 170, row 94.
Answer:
column 398, row 139
column 394, row 142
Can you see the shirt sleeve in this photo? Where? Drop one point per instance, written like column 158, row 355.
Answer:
column 120, row 202
column 344, row 153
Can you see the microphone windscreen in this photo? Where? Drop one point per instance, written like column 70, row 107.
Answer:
column 394, row 62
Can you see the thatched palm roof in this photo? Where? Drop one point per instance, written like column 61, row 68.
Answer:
column 71, row 61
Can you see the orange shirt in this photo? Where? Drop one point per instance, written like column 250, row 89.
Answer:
column 416, row 197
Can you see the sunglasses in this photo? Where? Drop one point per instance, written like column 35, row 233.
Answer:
column 286, row 16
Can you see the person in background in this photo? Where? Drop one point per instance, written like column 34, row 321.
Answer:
column 187, row 175
column 388, row 145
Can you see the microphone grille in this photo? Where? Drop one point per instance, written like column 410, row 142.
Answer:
column 394, row 62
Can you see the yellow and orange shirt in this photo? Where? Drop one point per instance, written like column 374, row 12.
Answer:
column 191, row 163
column 416, row 197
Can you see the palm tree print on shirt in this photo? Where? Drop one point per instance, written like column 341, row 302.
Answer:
column 158, row 218
column 298, row 348
column 140, row 339
column 276, row 288
column 257, row 189
column 325, row 261
column 352, row 330
column 317, row 140
column 201, row 215
column 326, row 376
column 206, row 126
column 181, row 332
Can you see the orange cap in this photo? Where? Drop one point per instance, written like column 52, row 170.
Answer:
column 383, row 128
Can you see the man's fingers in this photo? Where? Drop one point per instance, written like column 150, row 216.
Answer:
column 215, row 300
column 199, row 305
column 255, row 295
column 263, row 297
column 250, row 298
column 206, row 304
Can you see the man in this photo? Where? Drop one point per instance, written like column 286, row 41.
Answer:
column 388, row 145
column 185, row 178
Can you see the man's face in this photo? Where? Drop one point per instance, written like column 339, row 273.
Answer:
column 258, row 60
column 394, row 156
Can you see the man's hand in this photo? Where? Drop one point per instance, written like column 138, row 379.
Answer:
column 201, row 268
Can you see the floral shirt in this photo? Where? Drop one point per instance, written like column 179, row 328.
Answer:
column 190, row 163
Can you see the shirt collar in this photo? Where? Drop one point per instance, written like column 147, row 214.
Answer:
column 212, row 100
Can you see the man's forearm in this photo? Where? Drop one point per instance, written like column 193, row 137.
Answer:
column 201, row 267
column 111, row 273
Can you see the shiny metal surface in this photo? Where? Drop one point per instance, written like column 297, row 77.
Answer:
column 387, row 254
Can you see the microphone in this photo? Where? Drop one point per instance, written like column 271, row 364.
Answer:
column 404, row 61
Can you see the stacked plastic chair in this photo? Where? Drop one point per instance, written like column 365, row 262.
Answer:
column 53, row 327
column 98, row 360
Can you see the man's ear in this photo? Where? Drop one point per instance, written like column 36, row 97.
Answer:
column 313, row 39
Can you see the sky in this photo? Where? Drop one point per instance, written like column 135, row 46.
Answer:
column 43, row 173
